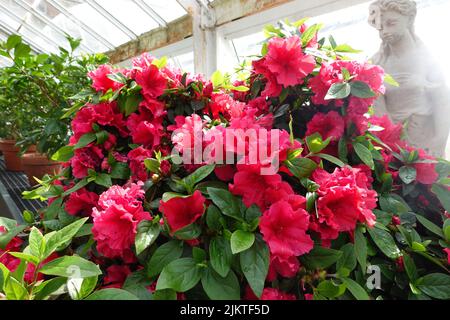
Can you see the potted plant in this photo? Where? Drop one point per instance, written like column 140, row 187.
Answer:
column 16, row 118
column 47, row 86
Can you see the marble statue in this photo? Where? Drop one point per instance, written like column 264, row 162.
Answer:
column 422, row 100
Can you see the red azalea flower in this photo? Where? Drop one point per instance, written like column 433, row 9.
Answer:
column 272, row 88
column 447, row 251
column 388, row 132
column 286, row 267
column 86, row 158
column 165, row 167
column 329, row 125
column 147, row 133
column 100, row 80
column 152, row 81
column 137, row 167
column 284, row 229
column 115, row 224
column 116, row 276
column 182, row 211
column 251, row 185
column 426, row 171
column 331, row 73
column 285, row 59
column 344, row 199
column 81, row 202
column 268, row 294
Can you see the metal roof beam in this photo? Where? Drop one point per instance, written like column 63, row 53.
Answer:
column 24, row 5
column 150, row 12
column 105, row 13
column 23, row 22
column 35, row 47
column 80, row 23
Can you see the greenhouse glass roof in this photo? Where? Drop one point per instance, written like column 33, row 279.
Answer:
column 102, row 24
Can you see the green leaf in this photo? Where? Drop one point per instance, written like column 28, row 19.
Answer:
column 361, row 89
column 152, row 165
column 198, row 254
column 226, row 202
column 321, row 258
column 120, row 170
column 315, row 143
column 71, row 266
column 446, row 229
column 342, row 149
column 160, row 63
column 80, row 184
column 48, row 287
column 180, row 275
column 21, row 50
column 331, row 159
column 14, row 290
column 189, row 232
column 310, row 33
column 361, row 248
column 13, row 41
column 217, row 79
column 220, row 255
column 137, row 283
column 430, row 225
column 390, row 80
column 348, row 259
column 407, row 174
column 63, row 236
column 255, row 265
column 165, row 294
column 132, row 103
column 410, row 267
column 117, row 77
column 221, row 288
column 436, row 285
column 241, row 241
column 345, row 48
column 364, row 154
column 329, row 289
column 80, row 288
column 103, row 179
column 384, row 242
column 36, row 242
column 443, row 194
column 355, row 288
column 301, row 167
column 25, row 257
column 213, row 217
column 198, row 175
column 101, row 136
column 165, row 254
column 339, row 90
column 112, row 294
column 147, row 233
column 63, row 154
column 85, row 139
column 5, row 238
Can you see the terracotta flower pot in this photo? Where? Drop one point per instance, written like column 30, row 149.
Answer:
column 37, row 165
column 11, row 154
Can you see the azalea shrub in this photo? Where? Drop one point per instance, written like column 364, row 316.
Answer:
column 277, row 184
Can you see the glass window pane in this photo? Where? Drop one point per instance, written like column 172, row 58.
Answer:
column 169, row 10
column 184, row 61
column 248, row 45
column 127, row 12
column 66, row 25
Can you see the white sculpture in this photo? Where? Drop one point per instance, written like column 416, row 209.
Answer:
column 422, row 100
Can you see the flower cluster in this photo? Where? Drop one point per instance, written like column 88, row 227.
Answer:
column 172, row 173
